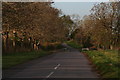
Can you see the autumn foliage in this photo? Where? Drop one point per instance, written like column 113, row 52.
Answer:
column 29, row 25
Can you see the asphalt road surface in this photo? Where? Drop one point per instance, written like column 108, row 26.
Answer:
column 68, row 63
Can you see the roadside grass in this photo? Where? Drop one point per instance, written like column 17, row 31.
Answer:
column 13, row 59
column 74, row 44
column 106, row 62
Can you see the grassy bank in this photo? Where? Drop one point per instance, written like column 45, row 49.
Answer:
column 106, row 62
column 13, row 59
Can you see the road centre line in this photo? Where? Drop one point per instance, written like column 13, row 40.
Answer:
column 50, row 74
column 53, row 72
column 57, row 66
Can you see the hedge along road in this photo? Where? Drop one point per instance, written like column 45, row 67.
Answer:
column 68, row 63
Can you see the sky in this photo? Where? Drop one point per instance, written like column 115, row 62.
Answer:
column 55, row 0
column 82, row 0
column 79, row 8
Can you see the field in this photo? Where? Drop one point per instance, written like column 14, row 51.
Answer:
column 106, row 62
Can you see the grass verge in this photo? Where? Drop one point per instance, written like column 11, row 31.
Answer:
column 13, row 59
column 106, row 62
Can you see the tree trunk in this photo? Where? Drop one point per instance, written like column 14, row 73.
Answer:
column 111, row 47
column 14, row 45
column 7, row 42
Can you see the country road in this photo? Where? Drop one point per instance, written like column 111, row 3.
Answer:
column 68, row 63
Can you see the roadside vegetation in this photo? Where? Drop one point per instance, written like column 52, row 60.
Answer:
column 13, row 59
column 106, row 62
column 74, row 44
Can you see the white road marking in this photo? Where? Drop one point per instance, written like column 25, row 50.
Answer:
column 53, row 72
column 57, row 66
column 50, row 74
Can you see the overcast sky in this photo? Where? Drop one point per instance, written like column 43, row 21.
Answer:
column 82, row 0
column 70, row 8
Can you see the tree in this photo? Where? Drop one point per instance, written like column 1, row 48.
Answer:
column 69, row 24
column 106, row 14
column 101, row 27
column 33, row 22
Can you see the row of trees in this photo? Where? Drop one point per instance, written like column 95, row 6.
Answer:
column 101, row 28
column 30, row 25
